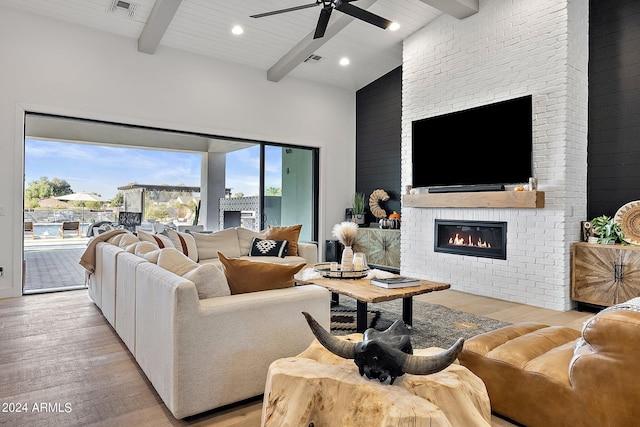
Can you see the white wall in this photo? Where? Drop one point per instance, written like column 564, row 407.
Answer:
column 54, row 67
column 511, row 48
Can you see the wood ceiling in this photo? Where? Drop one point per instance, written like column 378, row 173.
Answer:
column 277, row 44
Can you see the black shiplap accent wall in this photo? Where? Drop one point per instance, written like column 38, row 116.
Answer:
column 378, row 139
column 614, row 106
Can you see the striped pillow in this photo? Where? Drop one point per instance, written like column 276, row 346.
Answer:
column 184, row 242
column 159, row 240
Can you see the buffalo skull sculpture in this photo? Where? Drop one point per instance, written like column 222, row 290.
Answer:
column 385, row 354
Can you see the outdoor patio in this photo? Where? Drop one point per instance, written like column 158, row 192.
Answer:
column 52, row 264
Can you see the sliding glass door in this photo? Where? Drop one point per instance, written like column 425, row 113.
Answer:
column 289, row 188
column 271, row 185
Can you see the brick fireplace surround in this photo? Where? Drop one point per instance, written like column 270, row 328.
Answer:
column 507, row 50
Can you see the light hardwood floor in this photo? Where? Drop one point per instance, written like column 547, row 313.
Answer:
column 61, row 363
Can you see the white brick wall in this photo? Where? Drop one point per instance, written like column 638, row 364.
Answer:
column 510, row 48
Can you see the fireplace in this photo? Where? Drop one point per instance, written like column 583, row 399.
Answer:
column 475, row 238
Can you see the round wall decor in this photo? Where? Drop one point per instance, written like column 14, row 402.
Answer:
column 628, row 216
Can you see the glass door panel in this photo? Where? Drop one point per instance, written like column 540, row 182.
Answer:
column 290, row 194
column 241, row 205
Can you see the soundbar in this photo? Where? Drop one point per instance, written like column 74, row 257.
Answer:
column 466, row 188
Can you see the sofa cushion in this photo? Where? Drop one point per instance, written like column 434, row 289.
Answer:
column 247, row 276
column 184, row 242
column 268, row 247
column 224, row 241
column 160, row 240
column 210, row 281
column 175, row 261
column 245, row 239
column 288, row 260
column 289, row 233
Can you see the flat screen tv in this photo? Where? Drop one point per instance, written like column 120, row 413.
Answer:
column 486, row 145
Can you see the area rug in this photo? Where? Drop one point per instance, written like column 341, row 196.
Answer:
column 343, row 320
column 433, row 325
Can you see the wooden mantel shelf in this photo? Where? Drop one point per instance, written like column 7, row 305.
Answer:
column 481, row 199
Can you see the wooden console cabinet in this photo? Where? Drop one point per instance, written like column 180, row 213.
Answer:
column 381, row 246
column 604, row 275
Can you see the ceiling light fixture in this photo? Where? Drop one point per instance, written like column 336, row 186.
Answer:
column 344, row 61
column 237, row 30
column 394, row 26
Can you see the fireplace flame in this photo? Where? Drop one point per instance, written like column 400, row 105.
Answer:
column 458, row 240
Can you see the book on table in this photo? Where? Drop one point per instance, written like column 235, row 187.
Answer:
column 396, row 282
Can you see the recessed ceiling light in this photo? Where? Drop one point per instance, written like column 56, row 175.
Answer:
column 394, row 26
column 237, row 30
column 344, row 61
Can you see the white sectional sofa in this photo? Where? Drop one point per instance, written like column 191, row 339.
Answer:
column 201, row 354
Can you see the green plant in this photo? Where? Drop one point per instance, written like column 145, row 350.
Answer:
column 607, row 230
column 358, row 204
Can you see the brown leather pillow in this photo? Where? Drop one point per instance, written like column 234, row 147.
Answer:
column 248, row 276
column 289, row 233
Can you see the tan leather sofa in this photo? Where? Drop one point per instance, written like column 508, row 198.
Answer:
column 546, row 376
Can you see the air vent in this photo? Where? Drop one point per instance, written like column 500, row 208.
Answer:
column 120, row 7
column 313, row 59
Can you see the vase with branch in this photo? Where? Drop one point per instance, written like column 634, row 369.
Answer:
column 346, row 233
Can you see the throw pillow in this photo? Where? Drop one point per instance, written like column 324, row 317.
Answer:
column 132, row 247
column 210, row 281
column 176, row 262
column 184, row 242
column 225, row 241
column 127, row 239
column 266, row 247
column 153, row 255
column 115, row 240
column 290, row 234
column 143, row 247
column 245, row 239
column 246, row 276
column 160, row 240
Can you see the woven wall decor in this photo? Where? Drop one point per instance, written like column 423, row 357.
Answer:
column 374, row 203
column 628, row 216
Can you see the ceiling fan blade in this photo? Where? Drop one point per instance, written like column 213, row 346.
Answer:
column 323, row 21
column 363, row 15
column 289, row 9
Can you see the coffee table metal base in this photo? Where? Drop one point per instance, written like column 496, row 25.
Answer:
column 361, row 315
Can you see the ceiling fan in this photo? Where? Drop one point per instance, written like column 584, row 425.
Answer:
column 343, row 6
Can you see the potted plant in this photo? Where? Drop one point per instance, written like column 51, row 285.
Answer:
column 607, row 230
column 358, row 208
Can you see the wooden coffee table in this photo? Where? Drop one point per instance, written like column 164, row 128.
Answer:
column 364, row 292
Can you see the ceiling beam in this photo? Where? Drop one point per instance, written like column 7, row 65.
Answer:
column 309, row 45
column 457, row 8
column 159, row 19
